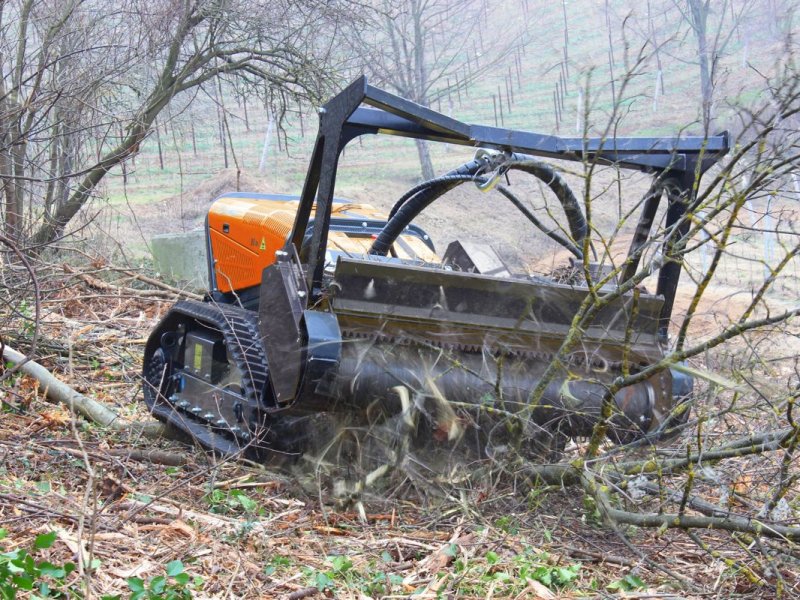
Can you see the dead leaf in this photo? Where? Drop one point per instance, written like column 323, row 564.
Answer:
column 136, row 571
column 175, row 528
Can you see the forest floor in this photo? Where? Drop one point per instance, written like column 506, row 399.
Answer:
column 121, row 508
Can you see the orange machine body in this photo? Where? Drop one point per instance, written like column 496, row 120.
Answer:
column 246, row 229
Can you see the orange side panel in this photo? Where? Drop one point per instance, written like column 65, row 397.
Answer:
column 245, row 233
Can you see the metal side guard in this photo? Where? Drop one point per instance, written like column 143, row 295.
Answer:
column 323, row 350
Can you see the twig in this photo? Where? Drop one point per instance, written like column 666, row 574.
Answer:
column 104, row 286
column 303, row 593
column 599, row 556
column 163, row 286
column 37, row 307
column 157, row 457
column 686, row 522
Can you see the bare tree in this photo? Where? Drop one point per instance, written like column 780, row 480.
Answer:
column 428, row 50
column 81, row 88
column 713, row 26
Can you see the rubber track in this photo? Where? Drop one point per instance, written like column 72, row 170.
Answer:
column 239, row 328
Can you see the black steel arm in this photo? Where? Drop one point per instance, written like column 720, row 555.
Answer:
column 344, row 118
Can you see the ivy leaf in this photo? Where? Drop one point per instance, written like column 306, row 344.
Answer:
column 45, row 540
column 135, row 584
column 157, row 584
column 174, row 568
column 50, row 570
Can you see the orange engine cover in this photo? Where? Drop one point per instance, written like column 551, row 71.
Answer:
column 245, row 230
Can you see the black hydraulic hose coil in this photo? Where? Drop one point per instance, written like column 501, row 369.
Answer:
column 416, row 202
column 413, row 202
column 578, row 227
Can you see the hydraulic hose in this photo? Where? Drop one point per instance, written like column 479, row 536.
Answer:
column 553, row 179
column 405, row 211
column 413, row 202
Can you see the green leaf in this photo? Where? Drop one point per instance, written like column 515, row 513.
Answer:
column 181, row 578
column 174, row 567
column 135, row 584
column 386, row 557
column 248, row 504
column 157, row 584
column 628, row 583
column 451, row 550
column 3, row 533
column 323, row 582
column 491, row 557
column 23, row 582
column 542, row 575
column 50, row 570
column 634, row 581
column 45, row 540
column 16, row 566
column 341, row 564
column 281, row 561
column 565, row 575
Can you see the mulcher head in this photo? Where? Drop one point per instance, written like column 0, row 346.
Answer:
column 356, row 318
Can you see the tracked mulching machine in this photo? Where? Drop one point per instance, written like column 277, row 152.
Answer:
column 325, row 314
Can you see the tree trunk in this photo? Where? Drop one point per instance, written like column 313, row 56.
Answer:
column 699, row 21
column 425, row 161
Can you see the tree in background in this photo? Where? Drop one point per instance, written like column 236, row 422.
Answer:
column 81, row 87
column 425, row 51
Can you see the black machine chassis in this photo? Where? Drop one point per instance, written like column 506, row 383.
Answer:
column 290, row 423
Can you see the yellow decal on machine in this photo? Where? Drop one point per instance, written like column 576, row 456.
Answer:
column 198, row 357
column 263, row 245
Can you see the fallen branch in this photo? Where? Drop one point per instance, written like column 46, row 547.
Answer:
column 156, row 457
column 304, row 593
column 95, row 411
column 684, row 521
column 168, row 293
column 163, row 286
column 565, row 474
column 601, row 557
